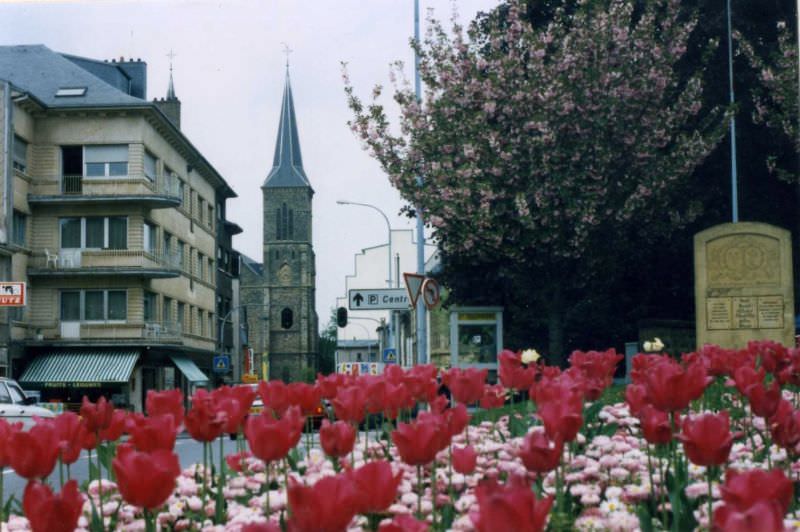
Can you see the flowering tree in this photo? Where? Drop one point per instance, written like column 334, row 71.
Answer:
column 542, row 146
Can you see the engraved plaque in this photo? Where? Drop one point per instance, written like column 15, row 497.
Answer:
column 737, row 260
column 770, row 312
column 719, row 313
column 745, row 315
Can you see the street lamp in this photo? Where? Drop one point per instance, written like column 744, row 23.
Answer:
column 389, row 261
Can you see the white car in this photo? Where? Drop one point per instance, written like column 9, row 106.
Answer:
column 15, row 406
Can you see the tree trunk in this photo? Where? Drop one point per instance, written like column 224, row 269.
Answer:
column 555, row 326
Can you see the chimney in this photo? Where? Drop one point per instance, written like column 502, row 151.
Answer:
column 171, row 107
column 136, row 70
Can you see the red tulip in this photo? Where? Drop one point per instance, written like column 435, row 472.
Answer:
column 151, row 433
column 784, row 425
column 597, row 368
column 512, row 374
column 421, row 383
column 234, row 404
column 33, row 454
column 403, row 523
column 6, row 430
column 539, row 453
column 269, row 526
column 464, row 459
column 204, row 422
column 376, row 393
column 97, row 416
column 236, row 461
column 764, row 401
column 636, row 397
column 166, row 402
column 327, row 506
column 509, row 506
column 397, row 397
column 376, row 485
column 466, row 385
column 69, row 431
column 671, row 387
column 350, row 404
column 270, row 439
column 707, row 438
column 456, row 420
column 746, row 376
column 417, row 442
column 274, row 395
column 493, row 397
column 655, row 424
column 330, row 384
column 337, row 439
column 744, row 489
column 560, row 408
column 114, row 431
column 307, row 396
column 763, row 516
column 145, row 479
column 47, row 512
column 772, row 355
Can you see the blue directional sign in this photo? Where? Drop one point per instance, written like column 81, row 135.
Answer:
column 221, row 363
column 390, row 355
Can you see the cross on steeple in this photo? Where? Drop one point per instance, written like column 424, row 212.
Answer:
column 287, row 51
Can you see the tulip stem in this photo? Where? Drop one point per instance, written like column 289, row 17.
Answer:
column 99, row 479
column 419, row 490
column 650, row 471
column 2, row 495
column 149, row 525
column 710, row 497
column 433, row 491
column 60, row 473
column 286, row 482
column 205, row 477
column 267, row 509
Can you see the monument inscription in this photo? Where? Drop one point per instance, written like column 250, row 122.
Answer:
column 743, row 284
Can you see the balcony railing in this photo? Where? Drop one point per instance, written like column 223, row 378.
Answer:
column 105, row 260
column 107, row 332
column 163, row 192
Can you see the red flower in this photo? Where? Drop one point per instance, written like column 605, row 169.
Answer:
column 330, row 384
column 636, row 397
column 746, row 376
column 204, row 422
column 597, row 368
column 114, row 431
column 350, row 404
column 465, row 459
column 166, row 402
column 234, row 403
column 656, row 427
column 403, row 523
column 784, row 425
column 418, row 442
column 97, row 416
column 376, row 393
column 145, row 479
column 466, row 385
column 47, row 512
column 327, row 506
column 743, row 490
column 493, row 397
column 456, row 419
column 6, row 430
column 274, row 395
column 33, row 454
column 337, row 439
column 69, row 431
column 261, row 527
column 151, row 433
column 539, row 453
column 707, row 438
column 560, row 407
column 397, row 397
column 377, row 485
column 764, row 401
column 671, row 387
column 511, row 506
column 236, row 461
column 270, row 439
column 307, row 396
column 511, row 372
column 763, row 516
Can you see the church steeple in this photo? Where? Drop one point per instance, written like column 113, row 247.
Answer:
column 287, row 164
column 171, row 88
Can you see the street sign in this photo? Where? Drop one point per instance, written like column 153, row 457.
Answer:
column 413, row 285
column 221, row 364
column 378, row 299
column 431, row 293
column 12, row 294
column 390, row 355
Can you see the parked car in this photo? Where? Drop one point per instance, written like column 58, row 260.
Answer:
column 16, row 406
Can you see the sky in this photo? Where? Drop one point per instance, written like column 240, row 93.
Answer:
column 229, row 69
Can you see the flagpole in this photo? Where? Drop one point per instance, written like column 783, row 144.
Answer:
column 734, row 176
column 422, row 329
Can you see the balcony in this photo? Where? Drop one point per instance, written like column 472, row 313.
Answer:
column 78, row 190
column 97, row 262
column 76, row 333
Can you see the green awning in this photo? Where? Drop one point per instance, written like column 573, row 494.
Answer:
column 81, row 368
column 189, row 369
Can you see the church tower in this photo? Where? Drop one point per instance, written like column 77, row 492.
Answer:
column 288, row 267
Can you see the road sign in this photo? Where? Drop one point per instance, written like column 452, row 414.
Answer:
column 431, row 293
column 12, row 294
column 378, row 299
column 390, row 355
column 221, row 364
column 413, row 285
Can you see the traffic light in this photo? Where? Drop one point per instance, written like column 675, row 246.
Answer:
column 341, row 317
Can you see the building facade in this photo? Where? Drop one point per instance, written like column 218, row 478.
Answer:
column 280, row 290
column 113, row 219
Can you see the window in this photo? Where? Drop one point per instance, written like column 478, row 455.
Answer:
column 20, row 223
column 211, row 325
column 94, row 305
column 64, row 92
column 150, row 299
column 106, row 161
column 210, row 216
column 201, row 209
column 181, row 255
column 287, row 318
column 149, row 237
column 219, row 211
column 181, row 190
column 149, row 166
column 167, row 248
column 166, row 311
column 5, row 398
column 202, row 319
column 16, row 393
column 20, row 154
column 284, row 223
column 181, row 316
column 210, row 270
column 200, row 263
column 94, row 232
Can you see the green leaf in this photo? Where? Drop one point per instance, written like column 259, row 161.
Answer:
column 448, row 515
column 517, row 426
column 645, row 519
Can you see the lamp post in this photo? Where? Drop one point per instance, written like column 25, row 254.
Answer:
column 390, row 339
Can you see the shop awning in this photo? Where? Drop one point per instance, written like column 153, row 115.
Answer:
column 79, row 369
column 189, row 369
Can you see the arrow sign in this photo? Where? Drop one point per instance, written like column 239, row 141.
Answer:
column 378, row 299
column 413, row 285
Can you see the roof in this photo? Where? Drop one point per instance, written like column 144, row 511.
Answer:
column 81, row 366
column 252, row 265
column 287, row 164
column 189, row 369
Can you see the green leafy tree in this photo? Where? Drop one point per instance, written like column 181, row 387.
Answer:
column 545, row 147
column 327, row 346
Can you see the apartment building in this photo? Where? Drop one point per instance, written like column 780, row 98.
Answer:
column 113, row 219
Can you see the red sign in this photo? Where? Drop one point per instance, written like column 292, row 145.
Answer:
column 12, row 294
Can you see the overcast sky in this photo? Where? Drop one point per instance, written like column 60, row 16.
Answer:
column 229, row 75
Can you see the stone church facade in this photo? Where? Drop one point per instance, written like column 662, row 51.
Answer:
column 280, row 290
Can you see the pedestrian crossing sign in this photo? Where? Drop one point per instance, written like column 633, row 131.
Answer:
column 222, row 363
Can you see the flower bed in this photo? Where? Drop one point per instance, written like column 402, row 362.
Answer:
column 562, row 460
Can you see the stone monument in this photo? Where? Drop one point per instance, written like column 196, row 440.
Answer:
column 743, row 284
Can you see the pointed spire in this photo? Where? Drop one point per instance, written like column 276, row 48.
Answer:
column 287, row 164
column 171, row 88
